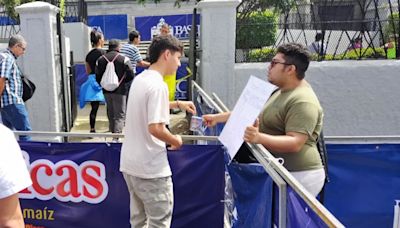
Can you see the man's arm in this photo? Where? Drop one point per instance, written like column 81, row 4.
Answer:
column 143, row 63
column 210, row 120
column 2, row 85
column 187, row 106
column 292, row 142
column 159, row 131
column 10, row 212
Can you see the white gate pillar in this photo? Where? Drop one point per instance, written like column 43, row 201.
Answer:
column 39, row 28
column 217, row 41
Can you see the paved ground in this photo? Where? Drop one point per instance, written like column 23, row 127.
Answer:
column 178, row 122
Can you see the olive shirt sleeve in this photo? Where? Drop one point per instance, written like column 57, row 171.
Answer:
column 303, row 118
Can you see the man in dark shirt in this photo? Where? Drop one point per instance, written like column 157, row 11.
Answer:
column 116, row 100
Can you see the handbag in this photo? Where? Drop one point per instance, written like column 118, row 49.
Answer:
column 28, row 88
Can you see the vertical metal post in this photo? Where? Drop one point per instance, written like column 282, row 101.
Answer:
column 192, row 55
column 65, row 125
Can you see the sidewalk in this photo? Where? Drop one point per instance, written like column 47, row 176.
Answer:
column 178, row 124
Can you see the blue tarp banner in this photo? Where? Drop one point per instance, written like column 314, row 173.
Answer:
column 300, row 214
column 79, row 185
column 113, row 26
column 252, row 195
column 365, row 182
column 180, row 25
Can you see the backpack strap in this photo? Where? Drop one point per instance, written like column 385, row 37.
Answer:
column 111, row 60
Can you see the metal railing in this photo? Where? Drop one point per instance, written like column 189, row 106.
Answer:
column 281, row 177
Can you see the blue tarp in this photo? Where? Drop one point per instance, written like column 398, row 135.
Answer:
column 79, row 185
column 252, row 195
column 365, row 182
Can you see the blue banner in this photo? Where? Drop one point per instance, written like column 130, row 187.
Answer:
column 79, row 185
column 299, row 214
column 365, row 182
column 113, row 26
column 180, row 25
column 252, row 195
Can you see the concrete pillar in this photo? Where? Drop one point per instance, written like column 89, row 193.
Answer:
column 217, row 42
column 39, row 27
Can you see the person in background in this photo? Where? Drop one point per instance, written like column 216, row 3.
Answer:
column 317, row 47
column 390, row 48
column 131, row 51
column 291, row 121
column 116, row 100
column 356, row 43
column 164, row 30
column 14, row 177
column 144, row 161
column 169, row 79
column 12, row 107
column 97, row 40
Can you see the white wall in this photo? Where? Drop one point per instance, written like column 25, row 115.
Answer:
column 79, row 36
column 360, row 98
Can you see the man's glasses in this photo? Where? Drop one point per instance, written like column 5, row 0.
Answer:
column 23, row 48
column 274, row 62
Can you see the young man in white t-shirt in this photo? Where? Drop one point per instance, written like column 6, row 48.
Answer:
column 144, row 161
column 14, row 177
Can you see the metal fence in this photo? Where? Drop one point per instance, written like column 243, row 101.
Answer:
column 332, row 30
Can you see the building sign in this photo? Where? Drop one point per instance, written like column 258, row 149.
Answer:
column 179, row 25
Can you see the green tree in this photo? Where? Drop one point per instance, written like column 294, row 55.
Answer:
column 392, row 26
column 9, row 7
column 257, row 30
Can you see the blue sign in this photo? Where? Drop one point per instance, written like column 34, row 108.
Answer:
column 252, row 195
column 113, row 26
column 365, row 182
column 180, row 25
column 79, row 185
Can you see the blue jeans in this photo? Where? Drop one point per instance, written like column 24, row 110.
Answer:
column 15, row 116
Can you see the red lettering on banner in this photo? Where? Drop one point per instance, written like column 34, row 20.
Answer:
column 71, row 181
column 92, row 181
column 66, row 181
column 34, row 175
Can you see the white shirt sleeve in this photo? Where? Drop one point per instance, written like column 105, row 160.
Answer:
column 158, row 105
column 14, row 175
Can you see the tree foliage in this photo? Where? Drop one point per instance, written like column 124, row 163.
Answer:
column 9, row 6
column 258, row 30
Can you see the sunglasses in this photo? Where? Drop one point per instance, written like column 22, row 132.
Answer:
column 274, row 62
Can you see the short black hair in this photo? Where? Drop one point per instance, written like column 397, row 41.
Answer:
column 113, row 44
column 297, row 55
column 161, row 44
column 134, row 34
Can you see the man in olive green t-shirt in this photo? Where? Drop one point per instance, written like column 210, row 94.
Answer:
column 291, row 121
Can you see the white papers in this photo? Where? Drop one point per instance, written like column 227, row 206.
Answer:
column 245, row 112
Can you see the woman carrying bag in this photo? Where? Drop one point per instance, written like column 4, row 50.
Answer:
column 91, row 90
